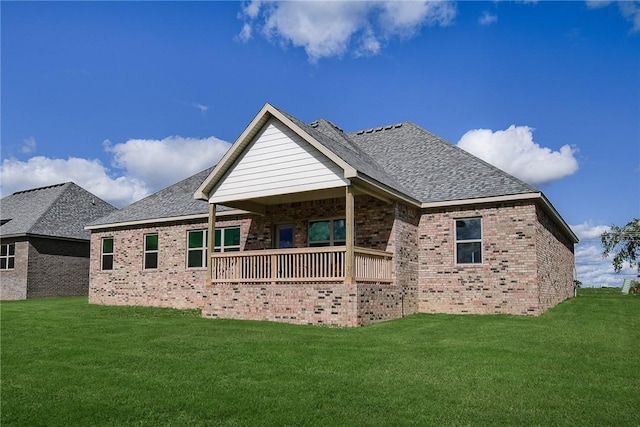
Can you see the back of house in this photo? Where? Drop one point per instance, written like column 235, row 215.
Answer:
column 308, row 224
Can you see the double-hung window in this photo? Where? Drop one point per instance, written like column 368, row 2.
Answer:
column 106, row 257
column 7, row 256
column 329, row 232
column 227, row 239
column 150, row 251
column 197, row 248
column 469, row 241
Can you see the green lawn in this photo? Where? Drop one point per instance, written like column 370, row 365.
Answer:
column 65, row 362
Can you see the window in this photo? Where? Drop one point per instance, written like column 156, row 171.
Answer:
column 227, row 239
column 284, row 236
column 107, row 253
column 150, row 251
column 469, row 241
column 197, row 248
column 8, row 256
column 328, row 232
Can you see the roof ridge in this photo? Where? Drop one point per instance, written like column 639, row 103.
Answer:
column 41, row 188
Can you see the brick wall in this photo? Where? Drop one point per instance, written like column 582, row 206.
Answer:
column 379, row 225
column 404, row 245
column 307, row 303
column 507, row 279
column 46, row 268
column 526, row 264
column 13, row 283
column 57, row 268
column 556, row 261
column 172, row 284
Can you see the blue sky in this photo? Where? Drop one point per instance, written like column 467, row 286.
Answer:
column 125, row 98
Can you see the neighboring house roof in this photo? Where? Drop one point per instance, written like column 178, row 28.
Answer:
column 172, row 203
column 59, row 211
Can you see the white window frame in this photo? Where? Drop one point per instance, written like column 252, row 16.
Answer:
column 204, row 249
column 150, row 251
column 331, row 241
column 459, row 241
column 223, row 247
column 103, row 253
column 8, row 257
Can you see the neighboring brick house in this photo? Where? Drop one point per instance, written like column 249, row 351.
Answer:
column 44, row 248
column 313, row 225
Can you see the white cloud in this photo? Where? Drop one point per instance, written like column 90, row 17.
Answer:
column 596, row 4
column 333, row 28
column 487, row 18
column 246, row 33
column 159, row 162
column 593, row 270
column 514, row 151
column 588, row 231
column 203, row 108
column 89, row 174
column 140, row 167
column 630, row 10
column 28, row 145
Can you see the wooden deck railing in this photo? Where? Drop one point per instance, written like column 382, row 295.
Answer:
column 300, row 265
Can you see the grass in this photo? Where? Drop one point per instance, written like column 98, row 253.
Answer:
column 65, row 362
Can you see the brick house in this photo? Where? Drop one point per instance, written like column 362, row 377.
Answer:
column 313, row 225
column 44, row 248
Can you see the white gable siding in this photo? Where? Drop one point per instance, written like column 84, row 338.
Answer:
column 278, row 161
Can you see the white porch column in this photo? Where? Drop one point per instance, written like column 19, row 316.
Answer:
column 350, row 225
column 211, row 232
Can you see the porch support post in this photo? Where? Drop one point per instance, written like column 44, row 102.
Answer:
column 211, row 232
column 350, row 225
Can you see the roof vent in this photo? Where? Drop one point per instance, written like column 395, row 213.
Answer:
column 39, row 188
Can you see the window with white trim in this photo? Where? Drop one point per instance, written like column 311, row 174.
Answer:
column 227, row 239
column 469, row 241
column 7, row 256
column 151, row 251
column 106, row 253
column 328, row 232
column 197, row 248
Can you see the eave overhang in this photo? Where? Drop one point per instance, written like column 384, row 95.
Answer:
column 152, row 221
column 537, row 197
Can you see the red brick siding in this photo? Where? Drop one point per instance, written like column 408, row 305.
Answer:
column 506, row 281
column 314, row 304
column 171, row 285
column 556, row 261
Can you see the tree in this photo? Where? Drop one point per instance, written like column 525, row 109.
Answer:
column 624, row 244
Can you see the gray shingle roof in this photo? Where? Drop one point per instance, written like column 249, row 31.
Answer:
column 60, row 211
column 174, row 201
column 432, row 169
column 413, row 161
column 404, row 157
